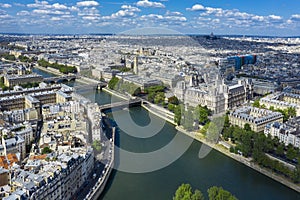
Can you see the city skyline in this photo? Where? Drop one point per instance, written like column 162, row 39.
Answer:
column 188, row 17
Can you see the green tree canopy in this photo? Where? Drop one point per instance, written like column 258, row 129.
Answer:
column 46, row 150
column 113, row 83
column 218, row 193
column 188, row 119
column 178, row 114
column 173, row 100
column 256, row 103
column 184, row 192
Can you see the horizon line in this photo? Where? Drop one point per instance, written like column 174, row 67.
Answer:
column 173, row 34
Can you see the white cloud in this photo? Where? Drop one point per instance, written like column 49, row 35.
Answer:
column 87, row 3
column 216, row 20
column 155, row 18
column 176, row 18
column 131, row 8
column 91, row 18
column 123, row 13
column 127, row 11
column 295, row 17
column 89, row 14
column 5, row 5
column 197, row 7
column 150, row 4
column 275, row 17
column 59, row 6
column 55, row 18
column 74, row 8
column 38, row 4
column 258, row 18
column 151, row 16
column 49, row 12
column 23, row 13
column 44, row 5
column 174, row 13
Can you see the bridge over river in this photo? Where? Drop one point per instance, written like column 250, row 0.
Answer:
column 120, row 105
column 56, row 79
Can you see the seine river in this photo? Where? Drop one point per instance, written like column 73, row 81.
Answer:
column 214, row 170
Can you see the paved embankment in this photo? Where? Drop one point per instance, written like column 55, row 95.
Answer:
column 101, row 183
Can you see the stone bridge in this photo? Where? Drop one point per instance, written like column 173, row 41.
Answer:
column 56, row 79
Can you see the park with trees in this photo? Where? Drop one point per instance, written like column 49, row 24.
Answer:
column 65, row 69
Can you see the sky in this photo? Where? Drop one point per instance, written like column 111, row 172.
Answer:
column 255, row 17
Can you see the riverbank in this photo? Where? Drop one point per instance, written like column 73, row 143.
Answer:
column 101, row 183
column 246, row 161
column 49, row 70
column 159, row 112
column 199, row 137
column 115, row 93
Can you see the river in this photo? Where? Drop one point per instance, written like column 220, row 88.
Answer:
column 215, row 169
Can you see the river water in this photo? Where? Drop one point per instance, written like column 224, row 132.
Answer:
column 214, row 170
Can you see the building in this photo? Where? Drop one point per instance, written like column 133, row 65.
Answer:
column 287, row 133
column 14, row 144
column 282, row 100
column 4, row 176
column 236, row 62
column 58, row 178
column 262, row 87
column 257, row 118
column 217, row 96
column 12, row 80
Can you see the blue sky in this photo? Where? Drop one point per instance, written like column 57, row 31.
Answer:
column 258, row 17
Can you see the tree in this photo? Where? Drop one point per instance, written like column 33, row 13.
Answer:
column 291, row 152
column 173, row 100
column 291, row 112
column 212, row 133
column 201, row 113
column 151, row 97
column 247, row 127
column 171, row 107
column 46, row 150
column 97, row 145
column 205, row 128
column 159, row 98
column 184, row 192
column 218, row 193
column 280, row 150
column 137, row 91
column 113, row 82
column 197, row 195
column 188, row 120
column 226, row 122
column 256, row 103
column 177, row 114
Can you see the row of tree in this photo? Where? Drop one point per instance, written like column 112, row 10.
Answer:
column 185, row 192
column 62, row 68
column 257, row 145
column 8, row 56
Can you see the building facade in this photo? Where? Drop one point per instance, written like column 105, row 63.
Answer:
column 287, row 133
column 255, row 117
